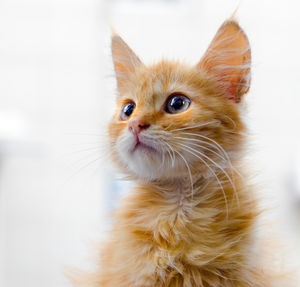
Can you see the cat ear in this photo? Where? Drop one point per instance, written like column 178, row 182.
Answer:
column 228, row 59
column 125, row 60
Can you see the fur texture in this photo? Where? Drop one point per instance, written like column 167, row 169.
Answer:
column 190, row 220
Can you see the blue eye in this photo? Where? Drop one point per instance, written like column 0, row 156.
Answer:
column 177, row 103
column 127, row 110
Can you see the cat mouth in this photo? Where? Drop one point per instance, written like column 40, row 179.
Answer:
column 141, row 145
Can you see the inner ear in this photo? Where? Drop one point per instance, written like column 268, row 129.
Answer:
column 228, row 59
column 124, row 59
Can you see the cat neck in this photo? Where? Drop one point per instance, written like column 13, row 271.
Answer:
column 227, row 199
column 187, row 188
column 179, row 228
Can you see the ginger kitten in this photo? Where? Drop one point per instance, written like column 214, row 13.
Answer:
column 177, row 132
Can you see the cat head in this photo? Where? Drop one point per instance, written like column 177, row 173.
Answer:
column 174, row 119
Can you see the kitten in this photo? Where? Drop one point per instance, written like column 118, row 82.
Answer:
column 178, row 133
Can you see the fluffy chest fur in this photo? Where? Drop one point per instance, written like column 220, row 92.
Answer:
column 163, row 238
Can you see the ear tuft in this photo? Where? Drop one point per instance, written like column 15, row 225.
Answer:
column 125, row 60
column 228, row 59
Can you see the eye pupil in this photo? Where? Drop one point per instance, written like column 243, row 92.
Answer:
column 177, row 103
column 127, row 110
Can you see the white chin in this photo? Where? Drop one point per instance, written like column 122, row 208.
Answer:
column 148, row 163
column 151, row 165
column 145, row 163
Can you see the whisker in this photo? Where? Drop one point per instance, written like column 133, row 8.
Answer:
column 189, row 171
column 94, row 148
column 218, row 146
column 217, row 178
column 204, row 142
column 169, row 151
column 210, row 150
column 172, row 150
column 83, row 167
column 89, row 154
column 196, row 126
column 84, row 134
column 163, row 155
column 159, row 132
column 238, row 133
column 220, row 149
column 231, row 120
column 207, row 138
column 218, row 166
column 215, row 145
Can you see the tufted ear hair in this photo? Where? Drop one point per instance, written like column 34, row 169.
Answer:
column 124, row 59
column 228, row 59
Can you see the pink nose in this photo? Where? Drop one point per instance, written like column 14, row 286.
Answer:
column 137, row 125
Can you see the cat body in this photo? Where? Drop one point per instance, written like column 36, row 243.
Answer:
column 164, row 238
column 178, row 133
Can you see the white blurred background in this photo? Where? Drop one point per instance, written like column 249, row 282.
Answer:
column 57, row 93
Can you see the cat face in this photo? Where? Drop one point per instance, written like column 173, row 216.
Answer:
column 173, row 119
